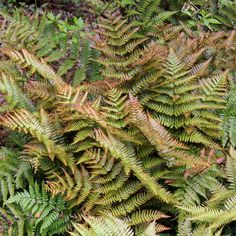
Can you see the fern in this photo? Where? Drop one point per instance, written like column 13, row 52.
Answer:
column 119, row 45
column 109, row 226
column 68, row 145
column 40, row 37
column 146, row 14
column 207, row 201
column 128, row 125
column 50, row 214
column 229, row 120
column 181, row 96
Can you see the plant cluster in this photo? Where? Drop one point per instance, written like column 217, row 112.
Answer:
column 128, row 128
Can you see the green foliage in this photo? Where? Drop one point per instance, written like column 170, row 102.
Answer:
column 172, row 80
column 210, row 14
column 81, row 152
column 203, row 19
column 14, row 175
column 109, row 226
column 120, row 126
column 60, row 43
column 226, row 13
column 146, row 14
column 229, row 117
column 210, row 204
column 49, row 215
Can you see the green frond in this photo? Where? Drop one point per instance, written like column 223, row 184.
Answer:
column 26, row 122
column 46, row 210
column 144, row 216
column 103, row 226
column 230, row 168
column 126, row 207
column 123, row 193
column 14, row 95
column 127, row 156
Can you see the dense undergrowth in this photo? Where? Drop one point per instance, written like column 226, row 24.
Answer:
column 118, row 118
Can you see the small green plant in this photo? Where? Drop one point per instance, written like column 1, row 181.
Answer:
column 11, row 1
column 200, row 18
column 65, row 26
